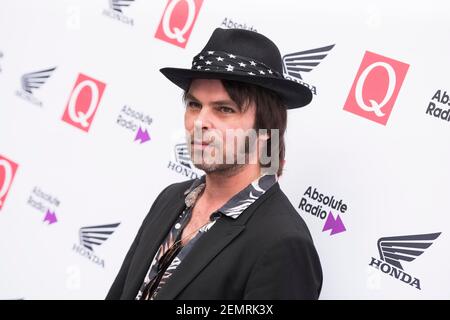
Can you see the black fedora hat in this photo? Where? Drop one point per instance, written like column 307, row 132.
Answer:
column 246, row 56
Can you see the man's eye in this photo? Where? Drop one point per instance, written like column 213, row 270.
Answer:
column 193, row 104
column 226, row 109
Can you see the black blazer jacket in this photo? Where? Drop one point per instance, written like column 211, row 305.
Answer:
column 266, row 253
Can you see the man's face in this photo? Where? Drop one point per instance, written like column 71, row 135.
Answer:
column 216, row 127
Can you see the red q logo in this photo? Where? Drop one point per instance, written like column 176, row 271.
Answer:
column 376, row 87
column 177, row 21
column 7, row 172
column 83, row 102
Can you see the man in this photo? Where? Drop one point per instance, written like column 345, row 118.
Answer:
column 232, row 234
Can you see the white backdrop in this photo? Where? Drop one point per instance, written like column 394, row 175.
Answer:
column 58, row 176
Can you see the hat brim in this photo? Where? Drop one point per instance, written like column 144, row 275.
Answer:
column 293, row 94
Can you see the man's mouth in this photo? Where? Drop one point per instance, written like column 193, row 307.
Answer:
column 197, row 142
column 200, row 144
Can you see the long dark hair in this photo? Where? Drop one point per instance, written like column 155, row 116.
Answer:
column 270, row 112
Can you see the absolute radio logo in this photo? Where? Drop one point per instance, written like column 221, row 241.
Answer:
column 8, row 170
column 93, row 236
column 229, row 23
column 394, row 250
column 46, row 203
column 439, row 106
column 177, row 21
column 297, row 63
column 83, row 102
column 321, row 206
column 376, row 87
column 115, row 11
column 31, row 82
column 135, row 121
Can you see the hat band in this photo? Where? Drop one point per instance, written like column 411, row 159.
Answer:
column 226, row 62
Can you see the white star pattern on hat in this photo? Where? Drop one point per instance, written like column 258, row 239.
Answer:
column 227, row 62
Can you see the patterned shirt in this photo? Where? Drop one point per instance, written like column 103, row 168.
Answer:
column 232, row 209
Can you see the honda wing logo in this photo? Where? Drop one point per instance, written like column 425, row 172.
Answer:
column 294, row 64
column 183, row 164
column 404, row 248
column 396, row 250
column 96, row 235
column 117, row 5
column 35, row 80
column 182, row 155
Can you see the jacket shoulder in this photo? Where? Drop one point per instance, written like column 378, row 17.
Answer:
column 277, row 216
column 176, row 190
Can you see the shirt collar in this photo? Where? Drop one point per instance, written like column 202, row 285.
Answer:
column 240, row 201
column 195, row 184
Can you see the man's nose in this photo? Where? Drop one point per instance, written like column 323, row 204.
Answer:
column 204, row 118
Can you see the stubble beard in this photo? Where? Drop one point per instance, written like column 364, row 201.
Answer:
column 225, row 169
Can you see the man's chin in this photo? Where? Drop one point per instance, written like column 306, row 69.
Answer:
column 218, row 168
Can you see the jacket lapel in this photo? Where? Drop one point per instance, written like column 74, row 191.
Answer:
column 207, row 247
column 153, row 235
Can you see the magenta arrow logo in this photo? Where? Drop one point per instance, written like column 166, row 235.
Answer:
column 335, row 225
column 142, row 135
column 50, row 217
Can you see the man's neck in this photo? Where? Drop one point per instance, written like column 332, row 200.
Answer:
column 220, row 186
